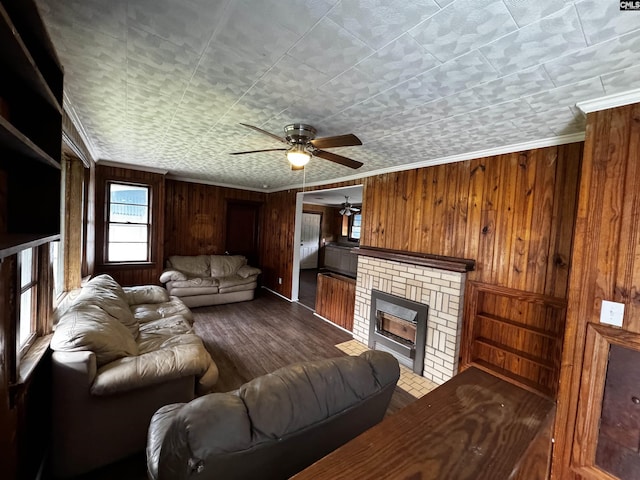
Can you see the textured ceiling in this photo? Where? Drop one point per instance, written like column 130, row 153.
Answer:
column 165, row 83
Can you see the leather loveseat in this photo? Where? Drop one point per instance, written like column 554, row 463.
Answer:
column 201, row 280
column 119, row 355
column 275, row 425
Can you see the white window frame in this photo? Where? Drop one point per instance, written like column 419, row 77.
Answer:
column 108, row 221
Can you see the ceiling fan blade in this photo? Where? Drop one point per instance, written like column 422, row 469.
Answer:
column 348, row 140
column 257, row 151
column 264, row 132
column 332, row 157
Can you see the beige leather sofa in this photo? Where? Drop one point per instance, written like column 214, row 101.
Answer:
column 201, row 280
column 119, row 355
column 275, row 425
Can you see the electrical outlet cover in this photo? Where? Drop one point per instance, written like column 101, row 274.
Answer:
column 612, row 313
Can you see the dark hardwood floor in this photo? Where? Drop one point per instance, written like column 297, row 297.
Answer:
column 249, row 339
column 307, row 287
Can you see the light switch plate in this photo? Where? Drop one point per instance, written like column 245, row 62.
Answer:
column 612, row 313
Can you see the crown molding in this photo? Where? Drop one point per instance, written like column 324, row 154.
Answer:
column 215, row 184
column 73, row 116
column 131, row 166
column 516, row 147
column 609, row 101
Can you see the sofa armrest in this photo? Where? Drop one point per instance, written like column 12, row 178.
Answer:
column 180, row 356
column 172, row 275
column 247, row 271
column 73, row 371
column 146, row 294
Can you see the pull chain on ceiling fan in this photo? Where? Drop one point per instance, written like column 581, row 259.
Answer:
column 347, row 208
column 303, row 144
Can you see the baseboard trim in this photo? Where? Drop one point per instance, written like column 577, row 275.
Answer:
column 279, row 294
column 337, row 326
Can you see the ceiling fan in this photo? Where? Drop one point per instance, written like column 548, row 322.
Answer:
column 347, row 209
column 302, row 144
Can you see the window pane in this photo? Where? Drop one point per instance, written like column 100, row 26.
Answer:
column 127, row 233
column 56, row 263
column 129, row 194
column 26, row 267
column 25, row 315
column 119, row 212
column 127, row 252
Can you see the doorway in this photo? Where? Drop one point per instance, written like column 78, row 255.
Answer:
column 310, row 240
column 331, row 201
column 242, row 236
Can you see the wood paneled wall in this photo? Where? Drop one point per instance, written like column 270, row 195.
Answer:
column 277, row 241
column 195, row 217
column 135, row 273
column 513, row 214
column 605, row 266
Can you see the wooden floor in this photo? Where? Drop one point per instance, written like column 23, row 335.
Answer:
column 249, row 339
column 307, row 287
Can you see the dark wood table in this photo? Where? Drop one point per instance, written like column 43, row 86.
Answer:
column 475, row 426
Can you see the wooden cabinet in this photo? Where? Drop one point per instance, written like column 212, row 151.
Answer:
column 30, row 129
column 336, row 299
column 340, row 259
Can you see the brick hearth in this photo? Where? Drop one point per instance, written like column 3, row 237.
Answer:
column 442, row 290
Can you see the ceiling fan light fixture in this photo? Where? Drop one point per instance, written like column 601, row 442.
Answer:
column 298, row 156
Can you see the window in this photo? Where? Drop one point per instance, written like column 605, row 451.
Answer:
column 128, row 223
column 354, row 227
column 28, row 297
column 55, row 254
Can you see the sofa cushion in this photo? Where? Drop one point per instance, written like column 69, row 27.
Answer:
column 176, row 356
column 192, row 265
column 300, row 395
column 239, row 288
column 146, row 294
column 190, row 291
column 246, row 271
column 149, row 331
column 147, row 312
column 106, row 293
column 88, row 327
column 234, row 280
column 223, row 265
column 195, row 282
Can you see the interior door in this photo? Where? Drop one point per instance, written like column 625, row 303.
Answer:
column 243, row 222
column 310, row 240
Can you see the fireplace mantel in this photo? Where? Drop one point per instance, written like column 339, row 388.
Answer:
column 453, row 264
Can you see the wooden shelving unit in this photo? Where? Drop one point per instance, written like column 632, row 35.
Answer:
column 514, row 334
column 30, row 129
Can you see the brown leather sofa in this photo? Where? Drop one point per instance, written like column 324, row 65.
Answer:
column 275, row 425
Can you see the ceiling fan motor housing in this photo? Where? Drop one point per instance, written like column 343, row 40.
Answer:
column 299, row 133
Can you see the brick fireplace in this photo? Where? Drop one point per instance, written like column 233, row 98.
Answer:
column 437, row 282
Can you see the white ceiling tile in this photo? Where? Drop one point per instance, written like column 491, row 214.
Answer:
column 377, row 22
column 456, row 75
column 463, row 26
column 516, row 85
column 186, row 24
column 293, row 77
column 354, row 85
column 297, row 16
column 567, row 95
column 109, row 18
column 610, row 56
column 400, row 60
column 158, row 63
column 248, row 32
column 547, row 39
column 604, row 20
column 345, row 50
column 621, row 81
column 528, row 11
